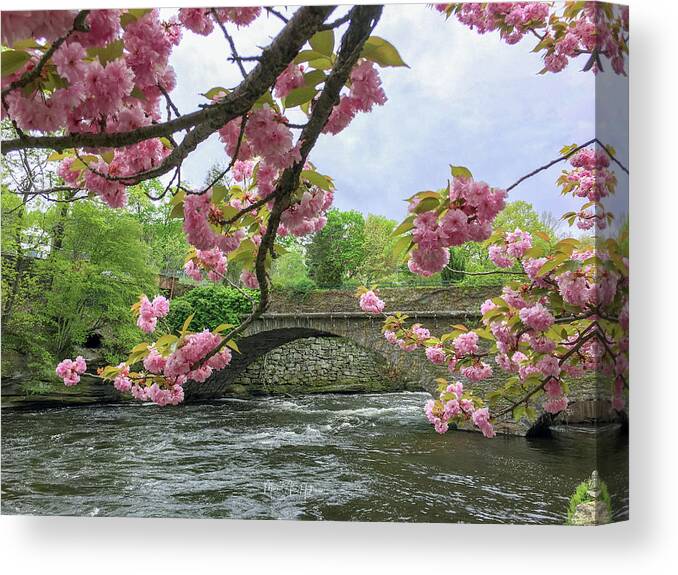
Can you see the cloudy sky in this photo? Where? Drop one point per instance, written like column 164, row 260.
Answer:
column 466, row 100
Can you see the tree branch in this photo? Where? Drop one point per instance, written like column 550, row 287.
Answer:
column 230, row 41
column 28, row 77
column 274, row 59
column 565, row 157
column 363, row 20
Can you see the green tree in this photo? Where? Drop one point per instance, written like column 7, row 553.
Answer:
column 165, row 236
column 457, row 263
column 86, row 265
column 337, row 252
column 518, row 214
column 378, row 262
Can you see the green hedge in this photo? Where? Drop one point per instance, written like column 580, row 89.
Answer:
column 212, row 305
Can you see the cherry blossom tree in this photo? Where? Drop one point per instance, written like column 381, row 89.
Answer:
column 94, row 87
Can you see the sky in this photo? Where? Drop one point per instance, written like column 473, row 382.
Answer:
column 467, row 99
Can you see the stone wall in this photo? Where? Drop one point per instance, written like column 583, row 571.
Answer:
column 397, row 299
column 319, row 365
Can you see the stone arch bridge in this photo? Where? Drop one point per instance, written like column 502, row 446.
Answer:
column 324, row 343
column 288, row 353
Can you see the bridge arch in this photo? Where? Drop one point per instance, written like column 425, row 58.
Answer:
column 294, row 360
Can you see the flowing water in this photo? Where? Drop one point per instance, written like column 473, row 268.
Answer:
column 335, row 457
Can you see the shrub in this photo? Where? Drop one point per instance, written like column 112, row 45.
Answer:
column 212, row 305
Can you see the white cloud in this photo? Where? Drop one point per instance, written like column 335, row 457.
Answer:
column 467, row 99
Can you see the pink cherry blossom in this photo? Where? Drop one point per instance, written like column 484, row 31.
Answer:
column 435, row 354
column 536, row 317
column 466, row 343
column 370, row 303
column 70, row 370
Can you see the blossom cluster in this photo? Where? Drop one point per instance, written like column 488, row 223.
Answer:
column 193, row 357
column 266, row 136
column 472, row 206
column 456, row 406
column 371, row 303
column 568, row 317
column 585, row 28
column 70, row 370
column 201, row 216
column 291, row 78
column 149, row 312
column 212, row 261
column 590, row 178
column 308, row 214
column 514, row 246
column 201, row 20
column 364, row 93
column 106, row 79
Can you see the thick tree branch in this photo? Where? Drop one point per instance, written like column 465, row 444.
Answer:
column 78, row 26
column 363, row 19
column 274, row 59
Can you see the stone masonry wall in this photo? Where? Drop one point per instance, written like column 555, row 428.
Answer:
column 397, row 299
column 317, row 365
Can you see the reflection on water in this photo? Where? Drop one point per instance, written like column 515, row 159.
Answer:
column 358, row 457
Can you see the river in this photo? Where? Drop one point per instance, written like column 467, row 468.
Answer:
column 333, row 457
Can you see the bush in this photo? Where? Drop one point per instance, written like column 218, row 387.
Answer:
column 457, row 262
column 212, row 306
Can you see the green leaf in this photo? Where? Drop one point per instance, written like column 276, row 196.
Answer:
column 234, row 346
column 58, row 156
column 321, row 64
column 184, row 328
column 400, row 248
column 518, row 412
column 111, row 51
column 166, row 340
column 405, row 226
column 218, row 193
column 323, row 42
column 138, row 94
column 308, row 55
column 140, row 347
column 109, row 372
column 131, row 16
column 108, row 156
column 13, row 60
column 460, row 172
column 26, row 43
column 382, row 52
column 426, row 205
column 177, row 212
column 212, row 92
column 314, row 77
column 551, row 265
column 221, row 327
column 323, row 182
column 299, row 96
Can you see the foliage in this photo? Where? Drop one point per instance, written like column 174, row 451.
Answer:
column 83, row 266
column 211, row 305
column 582, row 495
column 378, row 260
column 337, row 252
column 451, row 272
